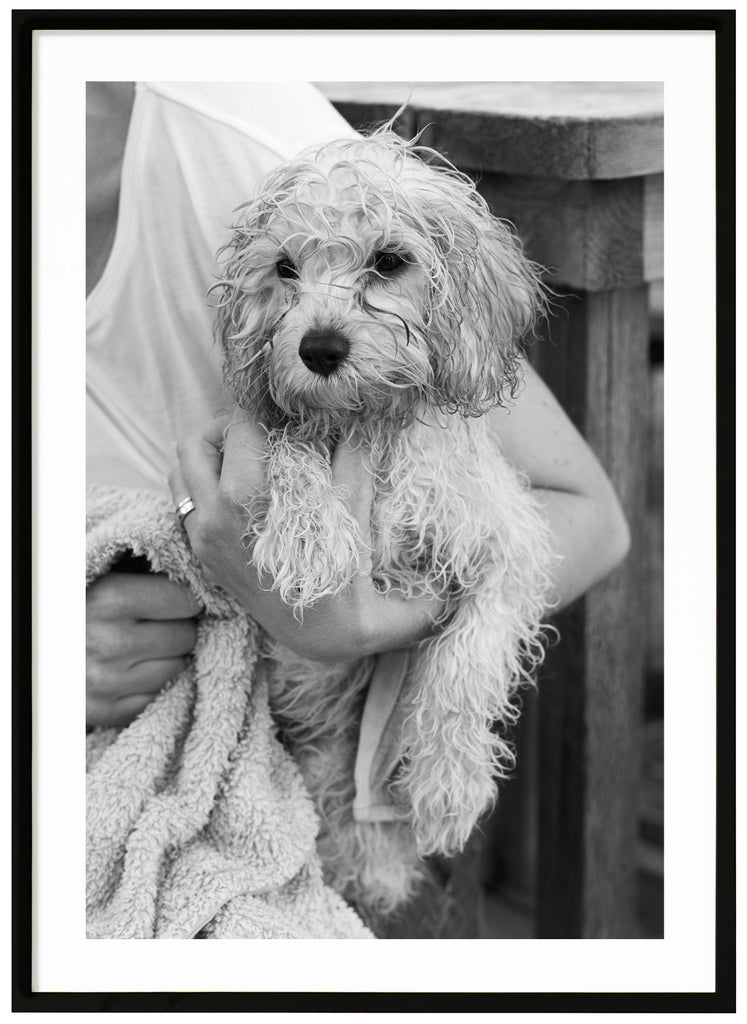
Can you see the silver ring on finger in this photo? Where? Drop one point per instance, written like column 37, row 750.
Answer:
column 184, row 508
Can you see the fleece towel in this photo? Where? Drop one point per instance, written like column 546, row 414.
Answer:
column 198, row 821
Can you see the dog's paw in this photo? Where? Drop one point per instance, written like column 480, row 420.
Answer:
column 304, row 568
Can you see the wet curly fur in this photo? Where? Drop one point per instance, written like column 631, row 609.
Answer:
column 383, row 244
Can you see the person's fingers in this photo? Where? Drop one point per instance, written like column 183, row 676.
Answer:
column 108, row 680
column 177, row 486
column 204, row 503
column 128, row 708
column 179, row 492
column 114, row 714
column 149, row 676
column 243, row 471
column 197, row 472
column 214, row 430
column 154, row 596
column 226, row 456
column 163, row 639
column 121, row 710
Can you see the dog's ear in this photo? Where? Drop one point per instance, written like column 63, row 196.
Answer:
column 493, row 299
column 244, row 303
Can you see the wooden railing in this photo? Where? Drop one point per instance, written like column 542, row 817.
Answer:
column 578, row 168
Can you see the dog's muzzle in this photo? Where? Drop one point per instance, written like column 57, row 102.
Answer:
column 322, row 351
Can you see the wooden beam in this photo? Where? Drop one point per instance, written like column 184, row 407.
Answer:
column 567, row 130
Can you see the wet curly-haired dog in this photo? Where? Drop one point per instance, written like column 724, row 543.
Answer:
column 367, row 292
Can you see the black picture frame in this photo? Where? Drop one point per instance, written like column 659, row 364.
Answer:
column 24, row 23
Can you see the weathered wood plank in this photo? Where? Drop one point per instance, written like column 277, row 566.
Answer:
column 653, row 227
column 591, row 696
column 590, row 235
column 567, row 130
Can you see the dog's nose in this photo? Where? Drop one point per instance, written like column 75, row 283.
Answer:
column 323, row 350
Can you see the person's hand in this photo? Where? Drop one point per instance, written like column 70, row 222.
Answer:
column 140, row 630
column 221, row 468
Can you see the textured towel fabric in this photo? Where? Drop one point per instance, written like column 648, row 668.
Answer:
column 198, row 821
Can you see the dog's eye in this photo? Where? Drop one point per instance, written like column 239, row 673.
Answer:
column 286, row 268
column 388, row 262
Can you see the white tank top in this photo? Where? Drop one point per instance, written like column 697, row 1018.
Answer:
column 194, row 152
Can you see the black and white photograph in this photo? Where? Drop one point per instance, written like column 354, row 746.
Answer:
column 353, row 577
column 372, row 467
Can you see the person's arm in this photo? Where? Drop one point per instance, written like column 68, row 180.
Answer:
column 590, row 533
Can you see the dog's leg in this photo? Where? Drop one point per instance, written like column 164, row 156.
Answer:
column 463, row 695
column 304, row 541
